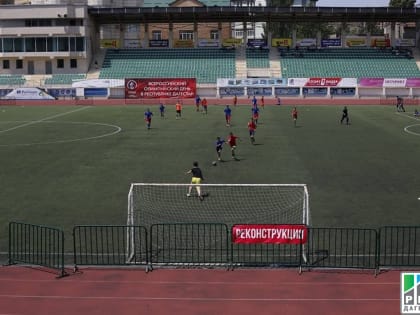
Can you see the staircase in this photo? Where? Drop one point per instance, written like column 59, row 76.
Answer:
column 240, row 63
column 275, row 69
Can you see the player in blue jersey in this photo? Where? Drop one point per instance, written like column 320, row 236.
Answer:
column 162, row 110
column 255, row 114
column 228, row 115
column 219, row 146
column 254, row 102
column 148, row 118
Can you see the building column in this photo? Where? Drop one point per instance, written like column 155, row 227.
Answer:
column 171, row 35
column 146, row 35
column 318, row 38
column 294, row 37
column 245, row 33
column 219, row 33
column 368, row 40
column 195, row 35
column 392, row 34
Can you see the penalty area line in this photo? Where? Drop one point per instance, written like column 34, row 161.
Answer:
column 43, row 119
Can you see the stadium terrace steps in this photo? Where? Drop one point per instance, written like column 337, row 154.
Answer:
column 62, row 79
column 12, row 79
column 347, row 62
column 204, row 64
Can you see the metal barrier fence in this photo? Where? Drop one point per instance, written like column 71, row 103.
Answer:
column 208, row 245
column 341, row 248
column 399, row 246
column 189, row 244
column 36, row 245
column 109, row 245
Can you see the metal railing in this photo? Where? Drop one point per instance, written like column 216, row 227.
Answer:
column 108, row 245
column 36, row 245
column 210, row 245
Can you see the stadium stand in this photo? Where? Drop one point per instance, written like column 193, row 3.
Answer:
column 64, row 78
column 11, row 79
column 348, row 62
column 257, row 58
column 205, row 64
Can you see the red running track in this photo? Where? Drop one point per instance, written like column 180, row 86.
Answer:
column 132, row 291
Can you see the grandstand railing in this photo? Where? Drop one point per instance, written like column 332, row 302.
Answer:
column 210, row 245
column 36, row 245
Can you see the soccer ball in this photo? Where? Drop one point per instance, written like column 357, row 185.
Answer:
column 214, row 163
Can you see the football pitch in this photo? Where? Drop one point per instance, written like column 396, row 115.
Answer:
column 66, row 166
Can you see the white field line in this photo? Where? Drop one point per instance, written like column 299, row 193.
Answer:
column 43, row 119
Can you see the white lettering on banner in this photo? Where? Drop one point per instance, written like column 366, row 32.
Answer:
column 253, row 233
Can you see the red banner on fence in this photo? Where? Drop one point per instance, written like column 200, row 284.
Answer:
column 323, row 82
column 269, row 234
column 160, row 88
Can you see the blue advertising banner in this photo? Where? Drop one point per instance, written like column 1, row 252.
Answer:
column 266, row 91
column 96, row 92
column 231, row 91
column 314, row 91
column 57, row 93
column 4, row 92
column 159, row 43
column 336, row 42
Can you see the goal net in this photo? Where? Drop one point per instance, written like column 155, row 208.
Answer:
column 229, row 204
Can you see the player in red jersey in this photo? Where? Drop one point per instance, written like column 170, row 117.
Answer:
column 251, row 128
column 235, row 100
column 294, row 115
column 232, row 143
column 262, row 101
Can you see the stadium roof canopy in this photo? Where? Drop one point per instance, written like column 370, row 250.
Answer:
column 252, row 14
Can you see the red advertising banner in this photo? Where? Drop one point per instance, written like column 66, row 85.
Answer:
column 160, row 88
column 323, row 82
column 269, row 234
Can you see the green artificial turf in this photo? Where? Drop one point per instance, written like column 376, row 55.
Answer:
column 361, row 175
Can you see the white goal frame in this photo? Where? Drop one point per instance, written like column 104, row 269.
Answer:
column 305, row 213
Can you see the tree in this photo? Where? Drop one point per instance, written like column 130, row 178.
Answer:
column 402, row 3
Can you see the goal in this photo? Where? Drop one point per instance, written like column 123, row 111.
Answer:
column 223, row 203
column 152, row 203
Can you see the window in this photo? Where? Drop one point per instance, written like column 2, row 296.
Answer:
column 8, row 44
column 72, row 43
column 18, row 42
column 73, row 63
column 51, row 44
column 6, row 64
column 60, row 63
column 80, row 44
column 185, row 35
column 1, row 45
column 29, row 44
column 19, row 64
column 156, row 35
column 214, row 34
column 41, row 44
column 63, row 44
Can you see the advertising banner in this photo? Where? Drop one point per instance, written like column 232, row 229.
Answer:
column 400, row 82
column 269, row 234
column 231, row 91
column 160, row 88
column 322, row 82
column 405, row 42
column 29, row 94
column 132, row 43
column 208, row 43
column 307, row 42
column 335, row 42
column 251, row 82
column 159, row 43
column 257, row 43
column 371, row 82
column 358, row 41
column 380, row 42
column 231, row 42
column 110, row 43
column 413, row 82
column 183, row 43
column 281, row 42
column 62, row 92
